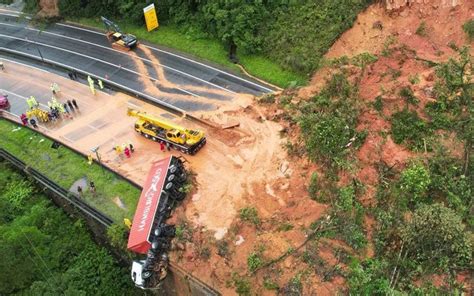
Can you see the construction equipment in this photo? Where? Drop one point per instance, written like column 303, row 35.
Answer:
column 157, row 129
column 119, row 40
column 149, row 233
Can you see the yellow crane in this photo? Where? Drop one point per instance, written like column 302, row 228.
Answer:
column 159, row 130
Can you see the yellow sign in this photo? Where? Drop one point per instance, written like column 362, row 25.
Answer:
column 150, row 17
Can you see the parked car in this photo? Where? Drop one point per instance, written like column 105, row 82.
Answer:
column 4, row 103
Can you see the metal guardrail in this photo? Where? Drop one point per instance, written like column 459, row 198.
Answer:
column 70, row 197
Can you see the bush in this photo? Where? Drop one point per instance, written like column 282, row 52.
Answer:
column 328, row 121
column 422, row 30
column 250, row 214
column 313, row 186
column 254, row 261
column 468, row 27
column 414, row 183
column 407, row 94
column 409, row 129
column 435, row 238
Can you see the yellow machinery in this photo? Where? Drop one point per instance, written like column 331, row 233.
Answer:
column 119, row 40
column 159, row 130
column 38, row 113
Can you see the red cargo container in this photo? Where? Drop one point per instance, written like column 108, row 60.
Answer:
column 139, row 239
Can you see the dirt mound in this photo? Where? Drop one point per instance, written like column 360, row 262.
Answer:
column 48, row 8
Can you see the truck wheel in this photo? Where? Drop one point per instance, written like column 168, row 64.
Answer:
column 154, row 139
column 147, row 136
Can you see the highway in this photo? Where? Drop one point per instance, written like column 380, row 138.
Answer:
column 166, row 76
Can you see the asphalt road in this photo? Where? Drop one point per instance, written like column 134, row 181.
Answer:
column 91, row 52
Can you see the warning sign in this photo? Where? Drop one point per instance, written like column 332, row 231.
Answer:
column 150, row 17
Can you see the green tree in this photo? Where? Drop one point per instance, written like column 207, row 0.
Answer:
column 414, row 183
column 236, row 23
column 435, row 238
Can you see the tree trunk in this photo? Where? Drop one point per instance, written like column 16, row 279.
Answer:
column 233, row 52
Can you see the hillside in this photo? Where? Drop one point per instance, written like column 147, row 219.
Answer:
column 377, row 144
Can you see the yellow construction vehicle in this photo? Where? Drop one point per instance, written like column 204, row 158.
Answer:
column 159, row 130
column 119, row 40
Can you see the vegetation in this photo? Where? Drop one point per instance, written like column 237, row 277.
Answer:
column 409, row 129
column 279, row 41
column 469, row 29
column 254, row 261
column 6, row 1
column 250, row 214
column 46, row 251
column 65, row 167
column 422, row 30
column 328, row 122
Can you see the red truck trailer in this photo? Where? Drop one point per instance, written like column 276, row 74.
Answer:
column 149, row 233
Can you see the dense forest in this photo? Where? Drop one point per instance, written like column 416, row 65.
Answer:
column 293, row 33
column 45, row 252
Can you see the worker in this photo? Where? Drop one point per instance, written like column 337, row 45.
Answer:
column 70, row 105
column 30, row 104
column 56, row 87
column 2, row 66
column 162, row 146
column 126, row 151
column 127, row 223
column 34, row 103
column 75, row 104
column 65, row 107
column 90, row 80
column 24, row 119
column 92, row 187
column 33, row 123
column 89, row 159
column 92, row 88
column 100, row 83
column 132, row 149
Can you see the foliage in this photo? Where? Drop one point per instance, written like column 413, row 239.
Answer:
column 409, row 129
column 286, row 226
column 293, row 34
column 299, row 33
column 434, row 237
column 254, row 261
column 414, row 79
column 250, row 214
column 235, row 22
column 49, row 254
column 6, row 1
column 414, row 183
column 407, row 94
column 451, row 185
column 328, row 122
column 313, row 185
column 65, row 166
column 241, row 284
column 378, row 103
column 468, row 27
column 117, row 234
column 422, row 30
column 368, row 278
column 270, row 285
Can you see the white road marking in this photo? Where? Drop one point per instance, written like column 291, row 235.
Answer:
column 92, row 58
column 163, row 103
column 22, row 97
column 178, row 56
column 25, row 65
column 121, row 52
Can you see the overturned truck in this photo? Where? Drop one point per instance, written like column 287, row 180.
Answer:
column 150, row 234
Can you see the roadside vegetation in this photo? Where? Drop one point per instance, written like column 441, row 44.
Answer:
column 45, row 252
column 422, row 211
column 282, row 42
column 65, row 167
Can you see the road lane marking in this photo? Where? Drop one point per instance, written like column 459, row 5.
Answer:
column 25, row 65
column 121, row 52
column 92, row 58
column 148, row 97
column 179, row 56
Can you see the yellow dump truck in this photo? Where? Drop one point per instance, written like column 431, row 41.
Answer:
column 159, row 130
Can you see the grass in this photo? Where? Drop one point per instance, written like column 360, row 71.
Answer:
column 66, row 166
column 208, row 49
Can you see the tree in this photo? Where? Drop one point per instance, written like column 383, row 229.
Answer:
column 414, row 183
column 236, row 23
column 435, row 238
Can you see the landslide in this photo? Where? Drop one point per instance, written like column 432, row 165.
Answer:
column 280, row 238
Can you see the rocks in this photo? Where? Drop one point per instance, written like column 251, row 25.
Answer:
column 377, row 25
column 240, row 240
